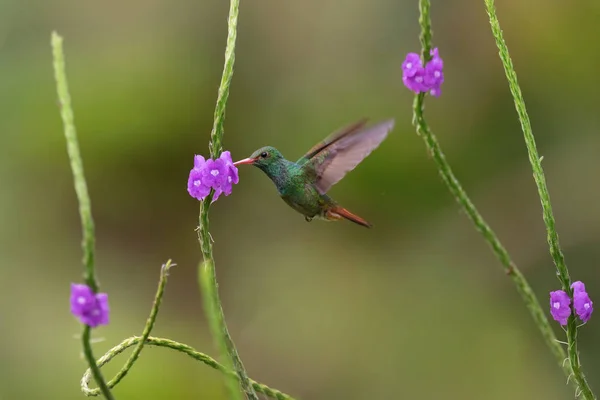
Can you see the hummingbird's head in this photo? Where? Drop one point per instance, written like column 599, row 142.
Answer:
column 262, row 158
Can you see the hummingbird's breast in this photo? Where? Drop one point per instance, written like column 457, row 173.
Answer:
column 302, row 195
column 297, row 188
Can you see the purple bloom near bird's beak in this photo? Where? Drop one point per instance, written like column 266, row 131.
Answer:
column 215, row 173
column 231, row 176
column 220, row 174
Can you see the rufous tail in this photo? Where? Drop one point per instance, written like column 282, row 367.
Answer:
column 342, row 212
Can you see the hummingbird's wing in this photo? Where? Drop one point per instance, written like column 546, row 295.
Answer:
column 335, row 136
column 329, row 162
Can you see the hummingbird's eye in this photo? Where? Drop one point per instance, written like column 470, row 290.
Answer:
column 264, row 154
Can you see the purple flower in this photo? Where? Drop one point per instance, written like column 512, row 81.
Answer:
column 578, row 286
column 231, row 176
column 411, row 65
column 560, row 306
column 199, row 162
column 582, row 303
column 91, row 309
column 434, row 75
column 416, row 83
column 219, row 174
column 422, row 80
column 197, row 186
column 215, row 173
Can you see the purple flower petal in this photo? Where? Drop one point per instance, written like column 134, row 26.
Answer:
column 89, row 308
column 199, row 162
column 82, row 298
column 560, row 306
column 197, row 187
column 434, row 74
column 578, row 286
column 416, row 83
column 435, row 92
column 583, row 305
column 411, row 65
column 214, row 173
column 232, row 174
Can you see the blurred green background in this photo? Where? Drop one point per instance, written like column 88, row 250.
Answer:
column 417, row 307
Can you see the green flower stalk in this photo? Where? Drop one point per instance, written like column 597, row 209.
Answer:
column 540, row 181
column 206, row 271
column 572, row 369
column 91, row 307
column 85, row 208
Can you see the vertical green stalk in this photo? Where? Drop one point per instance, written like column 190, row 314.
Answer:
column 85, row 209
column 540, row 181
column 434, row 148
column 207, row 277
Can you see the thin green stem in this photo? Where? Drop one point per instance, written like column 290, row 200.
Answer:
column 164, row 273
column 85, row 209
column 216, row 135
column 540, row 181
column 183, row 348
column 434, row 148
column 207, row 277
column 145, row 339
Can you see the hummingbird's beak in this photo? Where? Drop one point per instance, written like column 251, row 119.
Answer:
column 244, row 161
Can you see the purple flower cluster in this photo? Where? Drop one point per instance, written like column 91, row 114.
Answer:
column 560, row 304
column 90, row 308
column 219, row 174
column 421, row 79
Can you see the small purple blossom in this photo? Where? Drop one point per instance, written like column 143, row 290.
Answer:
column 560, row 306
column 215, row 173
column 416, row 83
column 411, row 65
column 231, row 178
column 197, row 187
column 90, row 308
column 421, row 79
column 434, row 74
column 578, row 286
column 219, row 174
column 582, row 303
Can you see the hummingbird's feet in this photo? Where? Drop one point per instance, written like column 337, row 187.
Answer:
column 308, row 219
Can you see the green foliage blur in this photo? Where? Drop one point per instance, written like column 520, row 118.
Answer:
column 416, row 307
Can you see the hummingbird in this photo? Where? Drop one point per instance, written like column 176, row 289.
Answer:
column 303, row 184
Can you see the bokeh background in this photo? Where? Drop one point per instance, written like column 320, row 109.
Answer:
column 417, row 307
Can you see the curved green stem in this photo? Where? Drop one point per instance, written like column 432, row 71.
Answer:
column 145, row 339
column 83, row 198
column 183, row 348
column 164, row 273
column 540, row 181
column 207, row 277
column 434, row 148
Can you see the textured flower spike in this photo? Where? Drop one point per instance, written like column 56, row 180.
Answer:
column 582, row 303
column 89, row 308
column 560, row 306
column 219, row 174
